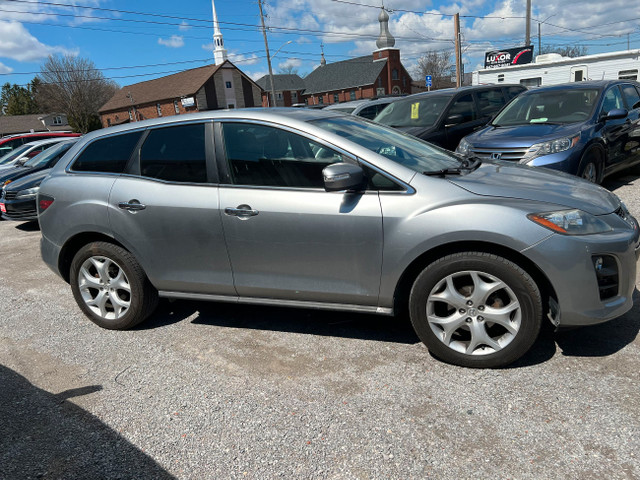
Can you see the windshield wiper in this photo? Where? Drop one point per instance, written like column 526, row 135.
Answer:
column 470, row 163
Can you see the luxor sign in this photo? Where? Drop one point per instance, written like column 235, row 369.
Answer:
column 509, row 56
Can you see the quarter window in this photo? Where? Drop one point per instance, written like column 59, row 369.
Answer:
column 108, row 155
column 175, row 154
column 612, row 100
column 267, row 156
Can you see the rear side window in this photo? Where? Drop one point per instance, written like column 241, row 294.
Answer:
column 175, row 154
column 465, row 107
column 107, row 155
column 512, row 92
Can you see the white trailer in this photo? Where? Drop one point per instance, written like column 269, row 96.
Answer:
column 551, row 69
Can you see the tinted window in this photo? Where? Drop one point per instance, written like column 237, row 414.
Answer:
column 513, row 92
column 109, row 154
column 489, row 102
column 10, row 145
column 414, row 112
column 612, row 99
column 49, row 157
column 464, row 106
column 369, row 112
column 631, row 96
column 268, row 156
column 175, row 154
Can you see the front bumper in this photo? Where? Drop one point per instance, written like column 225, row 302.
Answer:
column 568, row 262
column 21, row 210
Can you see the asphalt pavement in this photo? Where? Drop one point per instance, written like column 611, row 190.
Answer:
column 220, row 391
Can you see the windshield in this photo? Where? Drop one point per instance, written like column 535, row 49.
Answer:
column 423, row 112
column 13, row 154
column 563, row 106
column 404, row 149
column 50, row 155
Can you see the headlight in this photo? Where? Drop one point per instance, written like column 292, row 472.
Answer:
column 570, row 222
column 547, row 148
column 463, row 147
column 28, row 193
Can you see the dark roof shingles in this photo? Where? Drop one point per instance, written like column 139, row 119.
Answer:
column 355, row 72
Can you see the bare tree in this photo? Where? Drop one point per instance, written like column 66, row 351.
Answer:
column 438, row 65
column 288, row 70
column 74, row 86
column 568, row 51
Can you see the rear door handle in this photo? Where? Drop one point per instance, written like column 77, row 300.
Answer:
column 242, row 211
column 132, row 205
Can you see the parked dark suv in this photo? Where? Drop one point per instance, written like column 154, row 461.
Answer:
column 443, row 117
column 590, row 129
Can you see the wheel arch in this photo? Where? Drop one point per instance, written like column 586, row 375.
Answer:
column 409, row 275
column 75, row 243
column 594, row 146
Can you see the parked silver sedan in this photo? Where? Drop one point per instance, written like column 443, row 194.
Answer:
column 315, row 209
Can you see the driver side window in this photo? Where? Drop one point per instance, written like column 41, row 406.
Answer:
column 612, row 100
column 267, row 156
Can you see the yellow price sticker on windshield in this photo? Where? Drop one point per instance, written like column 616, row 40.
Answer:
column 415, row 109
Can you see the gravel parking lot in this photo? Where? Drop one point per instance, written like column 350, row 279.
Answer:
column 215, row 391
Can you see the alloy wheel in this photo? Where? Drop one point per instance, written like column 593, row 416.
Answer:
column 104, row 287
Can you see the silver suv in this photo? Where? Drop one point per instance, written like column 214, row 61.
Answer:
column 315, row 209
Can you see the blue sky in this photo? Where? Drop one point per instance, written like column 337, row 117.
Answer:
column 133, row 41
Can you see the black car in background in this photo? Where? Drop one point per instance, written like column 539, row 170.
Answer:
column 443, row 117
column 46, row 159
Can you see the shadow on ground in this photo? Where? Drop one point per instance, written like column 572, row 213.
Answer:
column 32, row 226
column 292, row 320
column 618, row 180
column 42, row 435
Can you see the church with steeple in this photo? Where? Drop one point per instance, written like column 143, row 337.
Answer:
column 375, row 75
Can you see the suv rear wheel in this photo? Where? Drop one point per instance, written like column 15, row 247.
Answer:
column 110, row 286
column 475, row 309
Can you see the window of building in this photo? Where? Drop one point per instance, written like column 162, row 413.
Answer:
column 294, row 96
column 175, row 154
column 57, row 120
column 628, row 74
column 131, row 115
column 108, row 122
column 531, row 82
column 279, row 95
column 159, row 108
column 394, row 74
column 379, row 81
column 501, row 78
column 352, row 95
column 336, row 98
column 109, row 154
column 321, row 100
column 267, row 156
column 227, row 84
column 231, row 105
column 176, row 107
column 404, row 82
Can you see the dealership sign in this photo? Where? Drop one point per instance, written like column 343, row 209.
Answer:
column 509, row 56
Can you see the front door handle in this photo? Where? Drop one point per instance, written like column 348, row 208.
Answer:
column 242, row 211
column 132, row 205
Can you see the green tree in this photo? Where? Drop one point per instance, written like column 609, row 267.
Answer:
column 74, row 86
column 18, row 100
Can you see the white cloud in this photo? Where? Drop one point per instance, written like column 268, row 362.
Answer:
column 184, row 26
column 244, row 60
column 257, row 75
column 175, row 41
column 18, row 44
column 5, row 69
column 290, row 63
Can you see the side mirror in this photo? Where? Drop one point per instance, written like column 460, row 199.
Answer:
column 615, row 114
column 453, row 120
column 343, row 176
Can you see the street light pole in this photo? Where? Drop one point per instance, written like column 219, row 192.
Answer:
column 266, row 47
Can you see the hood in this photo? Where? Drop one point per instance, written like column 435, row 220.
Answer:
column 521, row 135
column 11, row 173
column 417, row 131
column 28, row 180
column 508, row 180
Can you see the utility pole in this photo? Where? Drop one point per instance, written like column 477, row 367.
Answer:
column 266, row 47
column 527, row 38
column 456, row 27
column 539, row 40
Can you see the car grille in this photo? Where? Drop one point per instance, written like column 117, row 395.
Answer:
column 9, row 195
column 508, row 154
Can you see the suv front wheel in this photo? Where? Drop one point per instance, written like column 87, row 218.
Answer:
column 476, row 309
column 110, row 286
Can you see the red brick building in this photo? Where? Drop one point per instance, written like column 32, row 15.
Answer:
column 205, row 88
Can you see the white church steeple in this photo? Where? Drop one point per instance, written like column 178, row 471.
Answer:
column 219, row 52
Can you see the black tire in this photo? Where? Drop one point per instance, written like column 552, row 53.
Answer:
column 591, row 167
column 137, row 293
column 520, row 293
